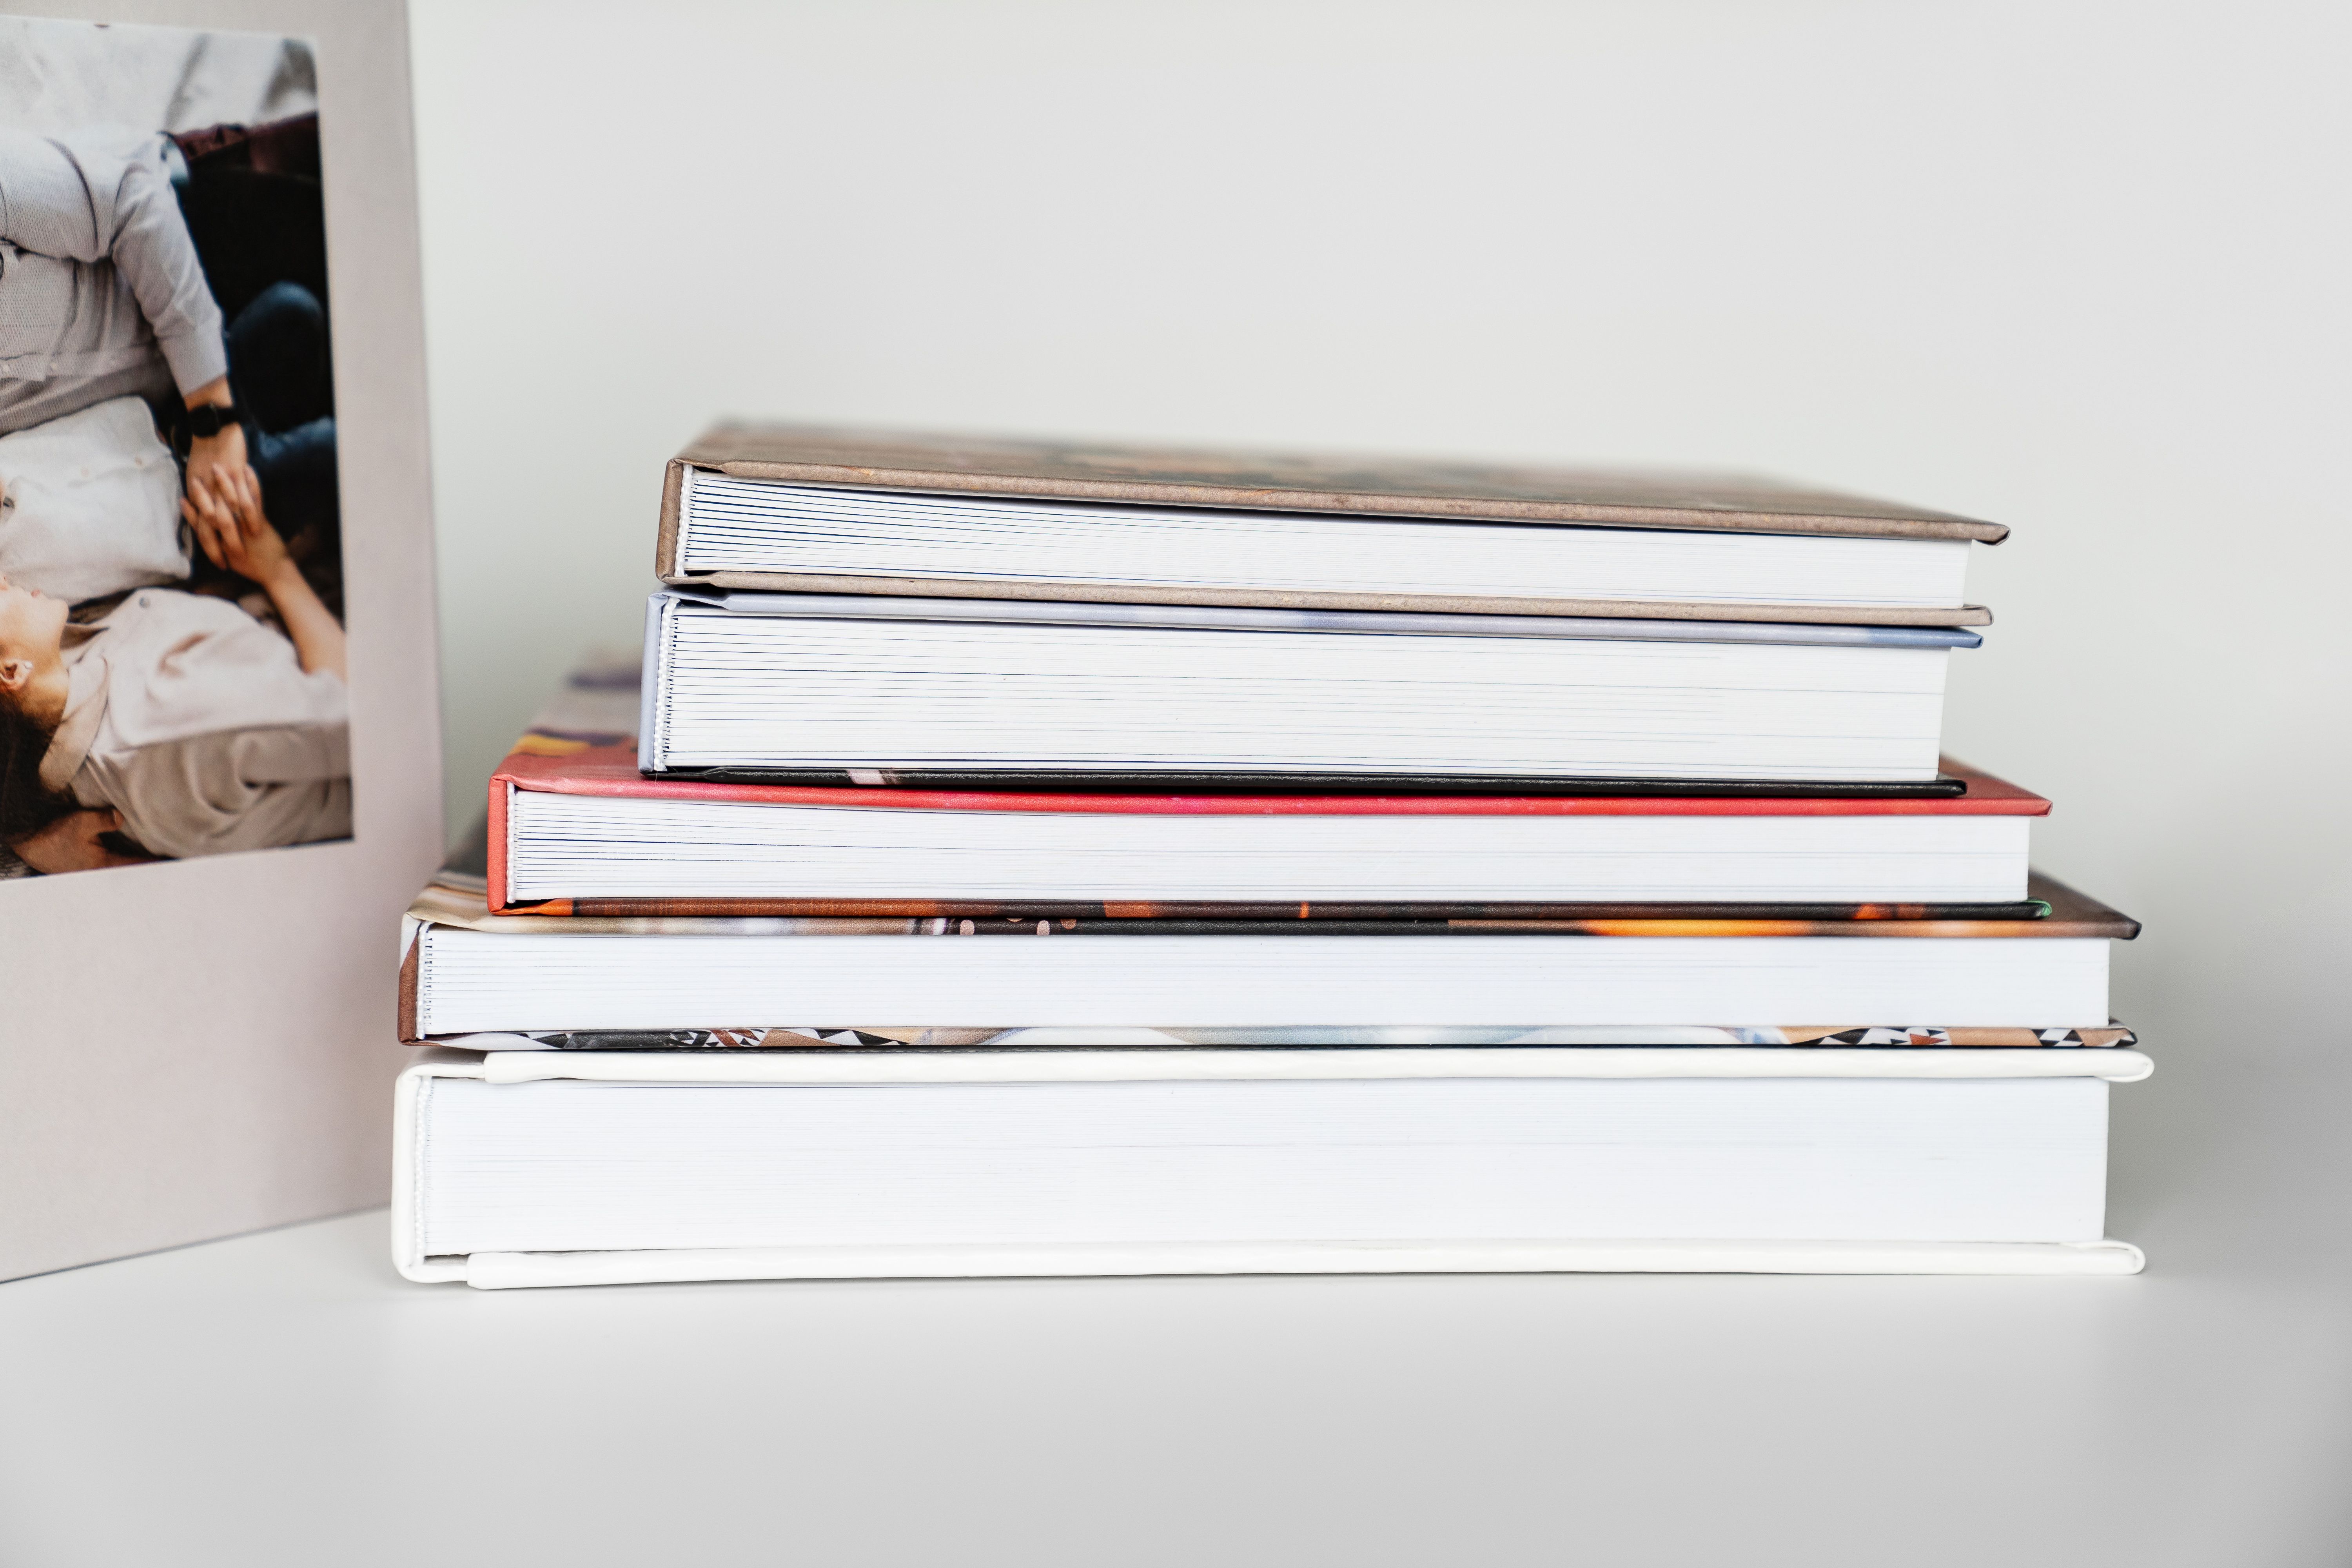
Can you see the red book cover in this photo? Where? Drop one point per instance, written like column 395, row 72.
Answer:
column 582, row 763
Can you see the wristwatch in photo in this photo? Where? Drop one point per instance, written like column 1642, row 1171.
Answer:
column 207, row 420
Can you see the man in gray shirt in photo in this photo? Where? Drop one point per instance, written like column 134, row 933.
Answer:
column 102, row 296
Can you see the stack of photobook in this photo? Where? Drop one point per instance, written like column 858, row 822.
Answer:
column 1387, row 867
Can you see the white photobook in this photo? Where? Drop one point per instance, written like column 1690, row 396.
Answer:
column 519, row 1269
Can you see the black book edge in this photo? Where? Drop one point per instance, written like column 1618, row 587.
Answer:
column 681, row 1041
column 1044, row 780
column 1546, row 925
column 1026, row 912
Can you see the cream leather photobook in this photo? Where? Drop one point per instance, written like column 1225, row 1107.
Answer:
column 533, row 1168
column 800, row 510
column 219, row 732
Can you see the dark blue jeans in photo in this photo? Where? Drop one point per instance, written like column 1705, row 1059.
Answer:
column 281, row 375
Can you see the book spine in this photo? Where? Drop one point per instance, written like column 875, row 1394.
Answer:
column 410, row 1033
column 500, row 814
column 652, row 674
column 665, row 542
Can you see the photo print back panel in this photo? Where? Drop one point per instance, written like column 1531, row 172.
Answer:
column 219, row 748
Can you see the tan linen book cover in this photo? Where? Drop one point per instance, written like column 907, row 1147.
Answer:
column 195, row 1003
column 1371, row 486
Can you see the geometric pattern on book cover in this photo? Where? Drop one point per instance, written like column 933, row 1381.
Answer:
column 803, row 1036
column 1921, row 1036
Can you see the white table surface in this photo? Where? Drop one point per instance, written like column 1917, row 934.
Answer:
column 284, row 1398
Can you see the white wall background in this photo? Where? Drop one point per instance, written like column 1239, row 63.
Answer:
column 2078, row 267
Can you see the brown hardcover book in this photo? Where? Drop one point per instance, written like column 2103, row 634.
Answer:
column 1292, row 483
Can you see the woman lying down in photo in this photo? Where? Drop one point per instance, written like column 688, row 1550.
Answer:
column 175, row 721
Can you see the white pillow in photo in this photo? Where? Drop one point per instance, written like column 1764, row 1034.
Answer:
column 90, row 504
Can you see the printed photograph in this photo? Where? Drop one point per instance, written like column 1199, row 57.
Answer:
column 171, row 655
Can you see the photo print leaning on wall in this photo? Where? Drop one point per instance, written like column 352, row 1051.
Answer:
column 173, row 678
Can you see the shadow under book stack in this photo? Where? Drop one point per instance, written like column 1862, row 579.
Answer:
column 1376, row 867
